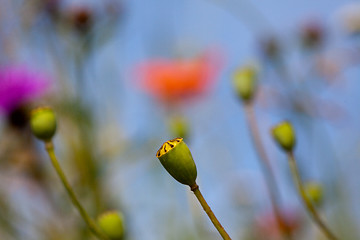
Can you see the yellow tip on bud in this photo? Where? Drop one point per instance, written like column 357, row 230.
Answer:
column 43, row 123
column 284, row 135
column 176, row 158
column 112, row 224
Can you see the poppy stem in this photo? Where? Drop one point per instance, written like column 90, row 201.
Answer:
column 49, row 146
column 209, row 212
column 267, row 170
column 306, row 201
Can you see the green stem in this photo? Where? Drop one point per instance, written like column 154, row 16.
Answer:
column 209, row 212
column 89, row 222
column 306, row 201
column 267, row 170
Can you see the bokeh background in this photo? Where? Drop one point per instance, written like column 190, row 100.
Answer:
column 112, row 71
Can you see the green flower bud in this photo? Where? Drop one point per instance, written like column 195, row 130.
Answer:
column 179, row 127
column 284, row 135
column 314, row 192
column 112, row 224
column 43, row 123
column 244, row 82
column 176, row 158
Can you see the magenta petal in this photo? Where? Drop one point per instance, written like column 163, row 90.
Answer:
column 19, row 85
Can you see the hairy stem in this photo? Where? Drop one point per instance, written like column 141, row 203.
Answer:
column 306, row 201
column 266, row 169
column 89, row 222
column 210, row 213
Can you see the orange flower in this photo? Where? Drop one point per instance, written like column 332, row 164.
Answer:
column 172, row 81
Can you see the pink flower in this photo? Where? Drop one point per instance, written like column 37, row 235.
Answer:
column 19, row 85
column 267, row 225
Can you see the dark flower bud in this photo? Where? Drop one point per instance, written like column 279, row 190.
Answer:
column 312, row 35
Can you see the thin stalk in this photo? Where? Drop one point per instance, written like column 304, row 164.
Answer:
column 306, row 201
column 89, row 222
column 210, row 213
column 266, row 169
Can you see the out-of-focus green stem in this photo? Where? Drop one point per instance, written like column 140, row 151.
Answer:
column 306, row 201
column 6, row 217
column 89, row 222
column 267, row 170
column 210, row 213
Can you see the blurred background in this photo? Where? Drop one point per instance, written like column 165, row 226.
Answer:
column 125, row 76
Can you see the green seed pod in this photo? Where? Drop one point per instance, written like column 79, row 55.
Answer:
column 314, row 192
column 112, row 224
column 284, row 135
column 43, row 123
column 176, row 158
column 244, row 82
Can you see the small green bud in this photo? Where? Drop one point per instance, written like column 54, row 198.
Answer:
column 284, row 135
column 43, row 123
column 176, row 158
column 112, row 224
column 244, row 82
column 179, row 127
column 314, row 192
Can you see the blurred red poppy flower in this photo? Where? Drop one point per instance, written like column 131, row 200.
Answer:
column 173, row 81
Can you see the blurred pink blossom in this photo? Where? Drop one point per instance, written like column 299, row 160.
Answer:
column 19, row 85
column 267, row 225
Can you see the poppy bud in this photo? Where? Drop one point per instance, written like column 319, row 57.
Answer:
column 176, row 158
column 284, row 135
column 179, row 127
column 112, row 224
column 314, row 192
column 43, row 123
column 244, row 82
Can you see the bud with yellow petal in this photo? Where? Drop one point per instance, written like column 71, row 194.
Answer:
column 244, row 82
column 314, row 192
column 283, row 133
column 112, row 224
column 176, row 158
column 43, row 123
